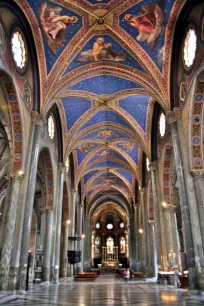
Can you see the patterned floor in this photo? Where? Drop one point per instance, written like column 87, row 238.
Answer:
column 106, row 290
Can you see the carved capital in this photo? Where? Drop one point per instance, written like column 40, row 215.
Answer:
column 43, row 209
column 142, row 191
column 152, row 166
column 197, row 174
column 136, row 205
column 151, row 222
column 173, row 116
column 14, row 177
column 37, row 118
column 61, row 167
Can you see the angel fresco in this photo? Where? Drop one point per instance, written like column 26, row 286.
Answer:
column 149, row 23
column 106, row 134
column 102, row 51
column 54, row 25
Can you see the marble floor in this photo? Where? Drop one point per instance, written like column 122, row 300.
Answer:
column 106, row 290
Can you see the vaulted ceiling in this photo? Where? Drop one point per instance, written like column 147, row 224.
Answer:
column 105, row 62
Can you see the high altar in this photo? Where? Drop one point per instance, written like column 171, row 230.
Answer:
column 110, row 257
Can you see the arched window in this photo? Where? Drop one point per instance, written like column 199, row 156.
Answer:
column 162, row 125
column 51, row 127
column 110, row 245
column 19, row 50
column 122, row 245
column 189, row 49
column 97, row 245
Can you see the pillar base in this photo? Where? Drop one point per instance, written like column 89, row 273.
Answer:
column 56, row 276
column 46, row 275
column 13, row 278
column 21, row 282
column 3, row 281
column 63, row 272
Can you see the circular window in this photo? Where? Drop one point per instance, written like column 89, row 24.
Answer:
column 162, row 125
column 147, row 163
column 109, row 226
column 122, row 225
column 51, row 127
column 19, row 51
column 190, row 46
column 97, row 225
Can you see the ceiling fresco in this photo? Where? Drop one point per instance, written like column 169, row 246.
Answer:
column 105, row 62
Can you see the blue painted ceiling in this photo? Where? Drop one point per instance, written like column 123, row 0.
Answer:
column 103, row 58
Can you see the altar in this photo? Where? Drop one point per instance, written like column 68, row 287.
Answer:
column 110, row 264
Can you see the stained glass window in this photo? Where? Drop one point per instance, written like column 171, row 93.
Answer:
column 51, row 127
column 190, row 46
column 18, row 49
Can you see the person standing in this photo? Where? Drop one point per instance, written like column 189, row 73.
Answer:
column 127, row 275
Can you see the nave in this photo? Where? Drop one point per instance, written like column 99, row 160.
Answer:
column 106, row 290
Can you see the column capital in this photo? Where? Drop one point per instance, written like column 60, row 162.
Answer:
column 37, row 118
column 197, row 173
column 151, row 222
column 43, row 209
column 142, row 191
column 61, row 167
column 173, row 116
column 14, row 177
column 153, row 165
column 136, row 205
column 49, row 209
column 169, row 207
column 73, row 190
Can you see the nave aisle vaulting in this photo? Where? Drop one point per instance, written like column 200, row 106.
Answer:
column 101, row 138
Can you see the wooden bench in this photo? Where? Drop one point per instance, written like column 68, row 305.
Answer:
column 138, row 275
column 85, row 277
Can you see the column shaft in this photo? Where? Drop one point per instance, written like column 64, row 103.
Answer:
column 29, row 207
column 64, row 250
column 48, row 246
column 8, row 235
column 58, row 224
column 188, row 240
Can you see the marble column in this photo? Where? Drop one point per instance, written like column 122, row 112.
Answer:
column 144, row 227
column 48, row 246
column 132, row 243
column 198, row 178
column 136, row 234
column 29, row 206
column 16, row 251
column 159, row 219
column 154, row 260
column 80, row 221
column 79, row 234
column 59, row 222
column 63, row 267
column 171, row 236
column 71, row 231
column 87, row 242
column 8, row 234
column 188, row 239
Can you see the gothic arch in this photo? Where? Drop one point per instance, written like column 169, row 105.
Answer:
column 49, row 178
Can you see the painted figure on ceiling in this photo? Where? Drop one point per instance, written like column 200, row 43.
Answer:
column 149, row 23
column 106, row 134
column 127, row 146
column 86, row 148
column 54, row 25
column 102, row 51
